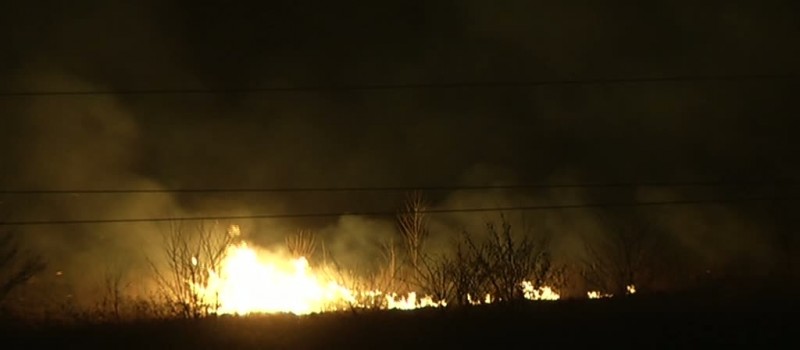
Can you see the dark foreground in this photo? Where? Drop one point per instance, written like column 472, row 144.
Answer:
column 651, row 322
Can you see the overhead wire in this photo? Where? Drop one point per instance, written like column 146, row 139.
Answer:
column 392, row 188
column 392, row 213
column 403, row 86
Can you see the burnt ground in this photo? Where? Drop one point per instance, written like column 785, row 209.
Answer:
column 655, row 321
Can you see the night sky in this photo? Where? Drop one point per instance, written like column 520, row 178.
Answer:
column 731, row 130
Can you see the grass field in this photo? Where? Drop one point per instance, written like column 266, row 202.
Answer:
column 685, row 321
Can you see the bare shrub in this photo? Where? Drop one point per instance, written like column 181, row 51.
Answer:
column 412, row 223
column 16, row 265
column 500, row 263
column 113, row 301
column 435, row 274
column 388, row 275
column 190, row 255
column 626, row 253
column 302, row 244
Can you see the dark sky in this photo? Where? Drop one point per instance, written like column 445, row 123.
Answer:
column 732, row 130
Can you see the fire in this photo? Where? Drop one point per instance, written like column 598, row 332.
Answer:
column 487, row 299
column 249, row 281
column 410, row 302
column 631, row 289
column 541, row 293
column 247, row 284
column 595, row 294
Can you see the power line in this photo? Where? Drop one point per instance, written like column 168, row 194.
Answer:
column 407, row 86
column 392, row 213
column 394, row 188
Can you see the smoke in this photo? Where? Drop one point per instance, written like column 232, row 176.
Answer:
column 355, row 241
column 559, row 134
column 64, row 143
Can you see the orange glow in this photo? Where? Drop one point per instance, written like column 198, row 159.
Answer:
column 256, row 281
column 630, row 289
column 251, row 283
column 541, row 293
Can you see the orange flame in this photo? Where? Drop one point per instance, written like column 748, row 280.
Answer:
column 248, row 282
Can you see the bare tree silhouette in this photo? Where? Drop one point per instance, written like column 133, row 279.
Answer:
column 503, row 261
column 190, row 255
column 624, row 255
column 412, row 223
column 16, row 265
column 302, row 244
column 429, row 272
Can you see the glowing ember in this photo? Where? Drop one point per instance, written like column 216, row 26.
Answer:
column 631, row 289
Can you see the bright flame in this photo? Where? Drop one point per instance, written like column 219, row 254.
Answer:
column 410, row 302
column 595, row 294
column 541, row 293
column 247, row 282
column 528, row 291
column 487, row 299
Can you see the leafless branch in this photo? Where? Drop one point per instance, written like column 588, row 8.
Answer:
column 302, row 244
column 16, row 266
